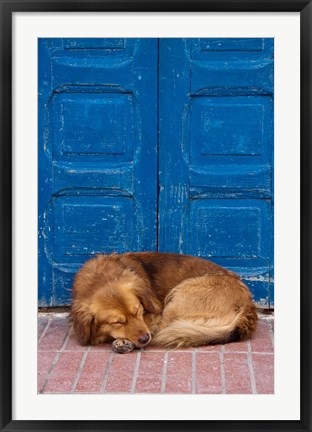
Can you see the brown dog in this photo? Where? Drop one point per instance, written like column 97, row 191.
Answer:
column 167, row 299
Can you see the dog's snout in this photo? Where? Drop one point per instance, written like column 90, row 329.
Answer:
column 144, row 339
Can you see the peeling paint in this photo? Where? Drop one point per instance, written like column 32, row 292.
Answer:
column 259, row 278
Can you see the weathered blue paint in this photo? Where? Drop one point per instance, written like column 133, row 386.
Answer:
column 97, row 154
column 216, row 154
column 131, row 130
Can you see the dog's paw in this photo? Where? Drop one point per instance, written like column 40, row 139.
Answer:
column 122, row 346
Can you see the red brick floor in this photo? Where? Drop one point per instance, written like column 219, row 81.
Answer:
column 237, row 368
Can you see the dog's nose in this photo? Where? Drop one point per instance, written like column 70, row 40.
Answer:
column 144, row 339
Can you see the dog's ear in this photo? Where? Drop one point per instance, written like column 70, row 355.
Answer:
column 84, row 324
column 149, row 301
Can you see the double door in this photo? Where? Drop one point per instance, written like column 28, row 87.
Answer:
column 155, row 144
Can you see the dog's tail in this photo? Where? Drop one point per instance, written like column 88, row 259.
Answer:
column 192, row 331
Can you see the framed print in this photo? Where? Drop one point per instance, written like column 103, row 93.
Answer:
column 173, row 128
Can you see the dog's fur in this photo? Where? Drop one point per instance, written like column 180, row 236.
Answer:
column 167, row 299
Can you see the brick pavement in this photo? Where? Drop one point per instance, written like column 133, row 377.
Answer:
column 236, row 368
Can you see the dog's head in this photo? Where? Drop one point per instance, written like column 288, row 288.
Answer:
column 116, row 310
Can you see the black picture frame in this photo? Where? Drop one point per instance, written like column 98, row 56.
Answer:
column 8, row 7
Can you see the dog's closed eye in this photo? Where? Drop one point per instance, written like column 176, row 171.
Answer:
column 116, row 320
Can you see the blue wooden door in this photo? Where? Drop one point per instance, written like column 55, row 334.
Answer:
column 216, row 154
column 149, row 144
column 97, row 154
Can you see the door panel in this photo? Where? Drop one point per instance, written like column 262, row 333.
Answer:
column 216, row 154
column 233, row 231
column 97, row 154
column 235, row 66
